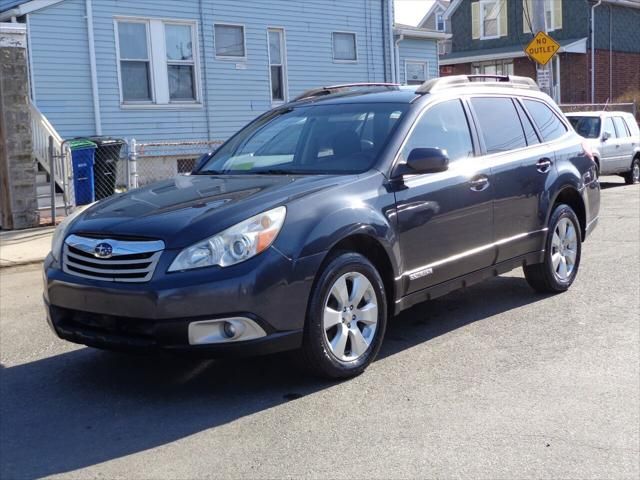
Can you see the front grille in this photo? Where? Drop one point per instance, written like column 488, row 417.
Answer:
column 111, row 260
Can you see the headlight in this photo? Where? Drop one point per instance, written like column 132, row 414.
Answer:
column 234, row 245
column 60, row 233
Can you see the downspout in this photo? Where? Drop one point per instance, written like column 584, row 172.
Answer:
column 610, row 56
column 593, row 51
column 92, row 66
column 392, row 49
column 205, row 86
column 397, row 56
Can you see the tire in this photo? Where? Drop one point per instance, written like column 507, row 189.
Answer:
column 632, row 177
column 562, row 247
column 328, row 334
column 597, row 162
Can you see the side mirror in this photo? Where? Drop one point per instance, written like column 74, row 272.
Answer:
column 201, row 161
column 426, row 160
column 606, row 136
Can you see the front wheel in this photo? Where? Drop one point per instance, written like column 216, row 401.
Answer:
column 562, row 254
column 632, row 177
column 347, row 318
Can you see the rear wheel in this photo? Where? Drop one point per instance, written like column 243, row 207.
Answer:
column 632, row 177
column 561, row 256
column 347, row 318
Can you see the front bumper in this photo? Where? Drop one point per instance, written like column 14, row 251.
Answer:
column 269, row 289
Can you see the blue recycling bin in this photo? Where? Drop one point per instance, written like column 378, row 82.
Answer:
column 83, row 159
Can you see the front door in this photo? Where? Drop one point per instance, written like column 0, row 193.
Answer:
column 445, row 220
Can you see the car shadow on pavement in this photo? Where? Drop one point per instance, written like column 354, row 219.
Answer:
column 84, row 407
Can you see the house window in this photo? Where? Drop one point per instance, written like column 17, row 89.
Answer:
column 440, row 25
column 157, row 61
column 229, row 41
column 495, row 67
column 180, row 62
column 135, row 71
column 489, row 18
column 552, row 15
column 277, row 64
column 415, row 72
column 345, row 47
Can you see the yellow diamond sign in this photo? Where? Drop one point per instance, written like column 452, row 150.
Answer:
column 542, row 48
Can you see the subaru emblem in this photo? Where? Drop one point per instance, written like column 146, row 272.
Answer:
column 103, row 250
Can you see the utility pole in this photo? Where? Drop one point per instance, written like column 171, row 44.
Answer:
column 544, row 73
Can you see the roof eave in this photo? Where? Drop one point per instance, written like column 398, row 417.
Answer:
column 26, row 8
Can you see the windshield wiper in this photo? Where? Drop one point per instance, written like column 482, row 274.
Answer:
column 209, row 172
column 275, row 171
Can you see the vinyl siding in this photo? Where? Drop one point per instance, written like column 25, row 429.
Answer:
column 233, row 92
column 420, row 50
column 61, row 74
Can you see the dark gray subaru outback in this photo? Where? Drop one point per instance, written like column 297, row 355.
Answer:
column 323, row 218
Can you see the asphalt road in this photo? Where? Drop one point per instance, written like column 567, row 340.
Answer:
column 492, row 382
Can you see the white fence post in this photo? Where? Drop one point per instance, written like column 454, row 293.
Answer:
column 133, row 165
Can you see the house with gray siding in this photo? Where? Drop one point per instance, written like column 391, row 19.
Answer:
column 490, row 36
column 201, row 69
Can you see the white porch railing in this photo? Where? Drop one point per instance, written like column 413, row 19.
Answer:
column 42, row 132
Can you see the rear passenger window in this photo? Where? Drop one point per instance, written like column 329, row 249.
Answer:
column 442, row 126
column 609, row 128
column 499, row 122
column 548, row 123
column 529, row 131
column 621, row 128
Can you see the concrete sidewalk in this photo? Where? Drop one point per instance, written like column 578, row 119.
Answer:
column 22, row 247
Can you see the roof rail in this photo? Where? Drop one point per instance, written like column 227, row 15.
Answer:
column 321, row 91
column 442, row 83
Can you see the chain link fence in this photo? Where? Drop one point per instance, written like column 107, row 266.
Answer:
column 153, row 161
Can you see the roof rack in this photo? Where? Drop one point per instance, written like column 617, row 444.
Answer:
column 442, row 83
column 321, row 91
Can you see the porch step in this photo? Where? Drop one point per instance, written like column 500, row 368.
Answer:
column 44, row 201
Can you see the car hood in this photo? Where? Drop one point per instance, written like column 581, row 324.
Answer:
column 189, row 208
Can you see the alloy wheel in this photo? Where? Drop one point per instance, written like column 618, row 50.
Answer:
column 564, row 249
column 635, row 173
column 350, row 316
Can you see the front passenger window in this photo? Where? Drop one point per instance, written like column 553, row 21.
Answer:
column 442, row 126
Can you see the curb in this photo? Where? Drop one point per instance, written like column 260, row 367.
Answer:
column 20, row 263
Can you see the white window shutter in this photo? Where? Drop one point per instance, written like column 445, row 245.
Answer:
column 557, row 14
column 527, row 11
column 504, row 19
column 475, row 20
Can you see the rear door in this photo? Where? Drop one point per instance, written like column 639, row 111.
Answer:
column 445, row 219
column 521, row 165
column 609, row 148
column 625, row 142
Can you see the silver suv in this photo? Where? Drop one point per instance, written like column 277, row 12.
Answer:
column 614, row 139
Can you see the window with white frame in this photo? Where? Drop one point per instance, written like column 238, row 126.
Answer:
column 344, row 47
column 495, row 67
column 135, row 62
column 552, row 15
column 440, row 25
column 415, row 72
column 229, row 41
column 277, row 64
column 490, row 18
column 157, row 61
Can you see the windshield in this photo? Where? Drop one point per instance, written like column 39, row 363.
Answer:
column 319, row 139
column 588, row 127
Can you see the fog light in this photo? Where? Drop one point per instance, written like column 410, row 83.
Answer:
column 224, row 330
column 229, row 329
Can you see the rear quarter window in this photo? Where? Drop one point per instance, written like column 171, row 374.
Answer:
column 548, row 123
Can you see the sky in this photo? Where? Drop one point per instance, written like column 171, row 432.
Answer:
column 410, row 12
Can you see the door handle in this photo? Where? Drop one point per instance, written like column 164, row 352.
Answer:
column 479, row 183
column 543, row 165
